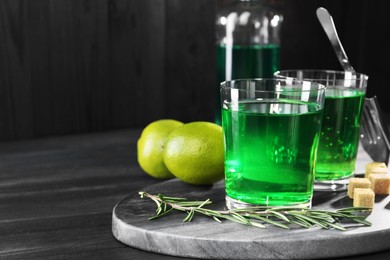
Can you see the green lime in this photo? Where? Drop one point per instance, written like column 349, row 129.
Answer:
column 194, row 153
column 150, row 147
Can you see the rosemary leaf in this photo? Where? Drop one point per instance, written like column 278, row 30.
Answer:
column 217, row 219
column 204, row 203
column 208, row 212
column 191, row 203
column 240, row 218
column 165, row 207
column 278, row 215
column 235, row 219
column 166, row 198
column 311, row 220
column 270, row 221
column 362, row 221
column 354, row 209
column 189, row 217
column 160, row 215
column 300, row 223
column 256, row 224
column 337, row 226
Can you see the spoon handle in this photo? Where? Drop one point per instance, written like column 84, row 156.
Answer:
column 327, row 23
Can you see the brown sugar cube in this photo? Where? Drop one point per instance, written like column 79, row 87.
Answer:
column 363, row 198
column 357, row 183
column 380, row 183
column 375, row 167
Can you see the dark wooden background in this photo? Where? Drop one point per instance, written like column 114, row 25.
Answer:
column 73, row 66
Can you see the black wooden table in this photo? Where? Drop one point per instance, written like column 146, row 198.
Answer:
column 57, row 196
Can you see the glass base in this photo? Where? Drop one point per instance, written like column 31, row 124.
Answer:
column 237, row 204
column 332, row 185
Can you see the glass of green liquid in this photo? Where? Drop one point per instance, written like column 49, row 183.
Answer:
column 271, row 130
column 339, row 139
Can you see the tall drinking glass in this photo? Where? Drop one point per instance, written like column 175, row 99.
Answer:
column 339, row 139
column 271, row 130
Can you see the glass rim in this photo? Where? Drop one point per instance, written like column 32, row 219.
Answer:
column 360, row 76
column 298, row 89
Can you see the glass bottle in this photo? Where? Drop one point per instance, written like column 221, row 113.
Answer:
column 247, row 42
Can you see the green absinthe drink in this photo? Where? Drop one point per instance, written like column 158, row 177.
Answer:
column 270, row 150
column 340, row 130
column 339, row 139
column 245, row 61
column 240, row 61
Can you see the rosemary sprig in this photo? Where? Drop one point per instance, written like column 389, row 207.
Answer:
column 282, row 217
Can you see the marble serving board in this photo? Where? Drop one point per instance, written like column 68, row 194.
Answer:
column 208, row 239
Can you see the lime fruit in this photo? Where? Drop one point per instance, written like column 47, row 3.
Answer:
column 194, row 153
column 150, row 147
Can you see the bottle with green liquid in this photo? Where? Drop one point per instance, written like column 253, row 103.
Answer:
column 247, row 43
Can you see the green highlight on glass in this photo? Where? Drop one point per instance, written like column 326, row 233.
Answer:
column 271, row 130
column 245, row 61
column 340, row 130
